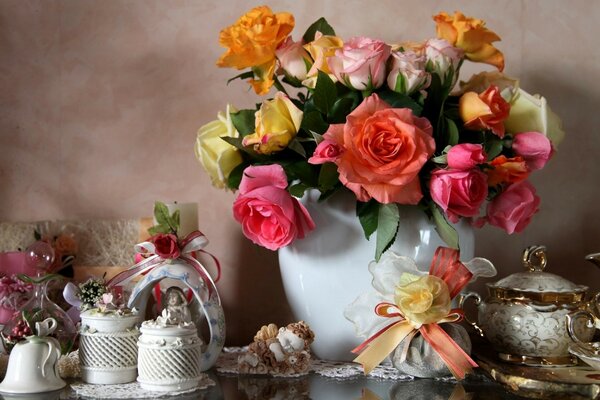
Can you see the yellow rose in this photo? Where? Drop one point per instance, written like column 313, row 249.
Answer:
column 251, row 43
column 532, row 114
column 217, row 156
column 276, row 124
column 422, row 299
column 319, row 49
column 470, row 35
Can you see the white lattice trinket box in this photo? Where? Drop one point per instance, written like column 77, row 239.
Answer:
column 169, row 357
column 108, row 347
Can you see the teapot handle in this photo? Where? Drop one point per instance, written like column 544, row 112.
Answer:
column 573, row 317
column 462, row 298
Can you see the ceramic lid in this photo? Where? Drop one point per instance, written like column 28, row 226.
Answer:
column 536, row 284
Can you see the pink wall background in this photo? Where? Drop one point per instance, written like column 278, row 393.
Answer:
column 100, row 102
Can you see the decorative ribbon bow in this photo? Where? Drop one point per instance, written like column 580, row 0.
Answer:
column 194, row 242
column 445, row 265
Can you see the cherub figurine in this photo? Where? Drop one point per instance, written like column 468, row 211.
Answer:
column 175, row 310
column 284, row 351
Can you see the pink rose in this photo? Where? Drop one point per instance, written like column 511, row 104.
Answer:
column 458, row 193
column 512, row 209
column 269, row 215
column 383, row 151
column 407, row 73
column 326, row 151
column 293, row 59
column 534, row 147
column 466, row 156
column 443, row 58
column 166, row 245
column 360, row 63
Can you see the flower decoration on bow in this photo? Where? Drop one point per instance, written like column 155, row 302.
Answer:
column 408, row 302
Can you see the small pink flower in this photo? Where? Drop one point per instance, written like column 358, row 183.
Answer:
column 269, row 215
column 360, row 63
column 466, row 156
column 534, row 147
column 458, row 193
column 512, row 209
column 327, row 151
column 107, row 298
column 166, row 245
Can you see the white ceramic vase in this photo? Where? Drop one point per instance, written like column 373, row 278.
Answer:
column 326, row 271
column 108, row 347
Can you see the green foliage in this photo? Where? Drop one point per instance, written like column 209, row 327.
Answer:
column 320, row 25
column 325, row 93
column 446, row 231
column 243, row 120
column 399, row 100
column 165, row 222
column 388, row 221
column 368, row 215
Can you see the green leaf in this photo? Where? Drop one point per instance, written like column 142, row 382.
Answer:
column 446, row 231
column 341, row 108
column 37, row 235
column 492, row 145
column 243, row 121
column 161, row 213
column 238, row 142
column 387, row 227
column 452, row 132
column 235, row 177
column 320, row 25
column 175, row 219
column 328, row 177
column 298, row 189
column 296, row 147
column 243, row 75
column 368, row 214
column 313, row 121
column 303, row 171
column 156, row 229
column 399, row 100
column 325, row 93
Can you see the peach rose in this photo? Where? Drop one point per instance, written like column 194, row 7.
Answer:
column 383, row 150
column 323, row 47
column 65, row 245
column 251, row 43
column 507, row 170
column 487, row 110
column 471, row 35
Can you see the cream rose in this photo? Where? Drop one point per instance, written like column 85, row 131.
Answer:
column 422, row 299
column 531, row 113
column 217, row 156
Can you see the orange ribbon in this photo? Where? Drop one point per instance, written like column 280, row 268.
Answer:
column 445, row 265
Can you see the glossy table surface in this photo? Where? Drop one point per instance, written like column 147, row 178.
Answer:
column 313, row 386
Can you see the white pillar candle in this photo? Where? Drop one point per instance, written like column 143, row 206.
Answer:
column 188, row 217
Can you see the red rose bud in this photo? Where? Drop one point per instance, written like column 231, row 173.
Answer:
column 166, row 245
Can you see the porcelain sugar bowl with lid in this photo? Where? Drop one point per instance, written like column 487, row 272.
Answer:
column 525, row 315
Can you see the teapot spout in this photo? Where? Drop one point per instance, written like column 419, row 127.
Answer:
column 594, row 258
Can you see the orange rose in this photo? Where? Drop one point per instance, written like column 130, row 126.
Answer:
column 382, row 151
column 487, row 110
column 65, row 244
column 251, row 43
column 471, row 35
column 507, row 170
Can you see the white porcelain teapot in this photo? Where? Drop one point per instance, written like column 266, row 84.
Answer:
column 32, row 363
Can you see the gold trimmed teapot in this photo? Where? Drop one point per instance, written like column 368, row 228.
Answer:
column 524, row 317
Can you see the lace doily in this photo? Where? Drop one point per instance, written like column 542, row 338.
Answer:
column 130, row 390
column 100, row 242
column 227, row 363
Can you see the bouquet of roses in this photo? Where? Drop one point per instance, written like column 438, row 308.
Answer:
column 389, row 122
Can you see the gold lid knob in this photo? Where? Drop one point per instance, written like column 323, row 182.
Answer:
column 534, row 258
